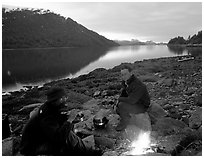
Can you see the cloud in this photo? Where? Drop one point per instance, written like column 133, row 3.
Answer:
column 157, row 20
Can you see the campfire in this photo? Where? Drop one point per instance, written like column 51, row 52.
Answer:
column 141, row 144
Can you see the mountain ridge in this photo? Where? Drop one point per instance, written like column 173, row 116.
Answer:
column 24, row 28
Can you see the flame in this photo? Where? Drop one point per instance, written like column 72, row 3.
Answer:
column 142, row 144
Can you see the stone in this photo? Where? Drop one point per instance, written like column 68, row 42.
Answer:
column 91, row 105
column 88, row 124
column 111, row 153
column 195, row 120
column 168, row 143
column 97, row 93
column 89, row 142
column 190, row 91
column 156, row 112
column 199, row 153
column 175, row 115
column 184, row 106
column 198, row 100
column 114, row 119
column 168, row 82
column 185, row 119
column 105, row 142
column 167, row 126
column 7, row 147
column 168, row 107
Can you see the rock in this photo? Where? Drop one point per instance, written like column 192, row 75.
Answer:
column 184, row 106
column 97, row 93
column 155, row 154
column 113, row 119
column 192, row 149
column 102, row 113
column 88, row 124
column 7, row 147
column 185, row 119
column 105, row 142
column 168, row 143
column 156, row 112
column 195, row 120
column 198, row 100
column 168, row 107
column 168, row 82
column 190, row 91
column 167, row 126
column 199, row 153
column 175, row 115
column 89, row 142
column 91, row 105
column 111, row 153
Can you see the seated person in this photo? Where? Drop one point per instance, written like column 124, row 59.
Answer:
column 49, row 133
column 133, row 99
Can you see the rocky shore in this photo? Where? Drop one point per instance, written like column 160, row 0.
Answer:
column 174, row 84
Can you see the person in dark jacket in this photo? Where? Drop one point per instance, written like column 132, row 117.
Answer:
column 133, row 99
column 49, row 133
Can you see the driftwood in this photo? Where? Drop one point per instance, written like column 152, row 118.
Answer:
column 186, row 59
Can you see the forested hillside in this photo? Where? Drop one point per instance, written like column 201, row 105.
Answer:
column 24, row 28
column 195, row 39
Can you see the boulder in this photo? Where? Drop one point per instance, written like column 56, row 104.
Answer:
column 156, row 112
column 168, row 143
column 168, row 126
column 88, row 124
column 89, row 142
column 195, row 120
column 105, row 142
column 7, row 147
column 91, row 105
column 168, row 82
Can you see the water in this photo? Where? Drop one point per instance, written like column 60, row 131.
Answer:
column 38, row 66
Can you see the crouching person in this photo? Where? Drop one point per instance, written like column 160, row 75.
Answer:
column 49, row 133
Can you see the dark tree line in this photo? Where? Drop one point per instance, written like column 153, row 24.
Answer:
column 24, row 28
column 195, row 39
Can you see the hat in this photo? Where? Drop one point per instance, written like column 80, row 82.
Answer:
column 55, row 93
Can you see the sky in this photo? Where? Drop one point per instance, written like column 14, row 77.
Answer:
column 156, row 21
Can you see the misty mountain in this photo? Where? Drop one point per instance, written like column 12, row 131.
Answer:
column 134, row 42
column 24, row 28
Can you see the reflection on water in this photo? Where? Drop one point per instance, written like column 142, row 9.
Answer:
column 194, row 51
column 43, row 65
column 38, row 66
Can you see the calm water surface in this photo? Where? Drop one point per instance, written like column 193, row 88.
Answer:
column 38, row 66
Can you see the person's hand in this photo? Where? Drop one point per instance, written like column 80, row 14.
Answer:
column 72, row 115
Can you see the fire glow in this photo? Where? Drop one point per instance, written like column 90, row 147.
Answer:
column 142, row 144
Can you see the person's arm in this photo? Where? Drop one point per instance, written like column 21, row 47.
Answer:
column 134, row 96
column 53, row 130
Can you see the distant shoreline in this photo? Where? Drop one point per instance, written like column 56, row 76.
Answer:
column 185, row 45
